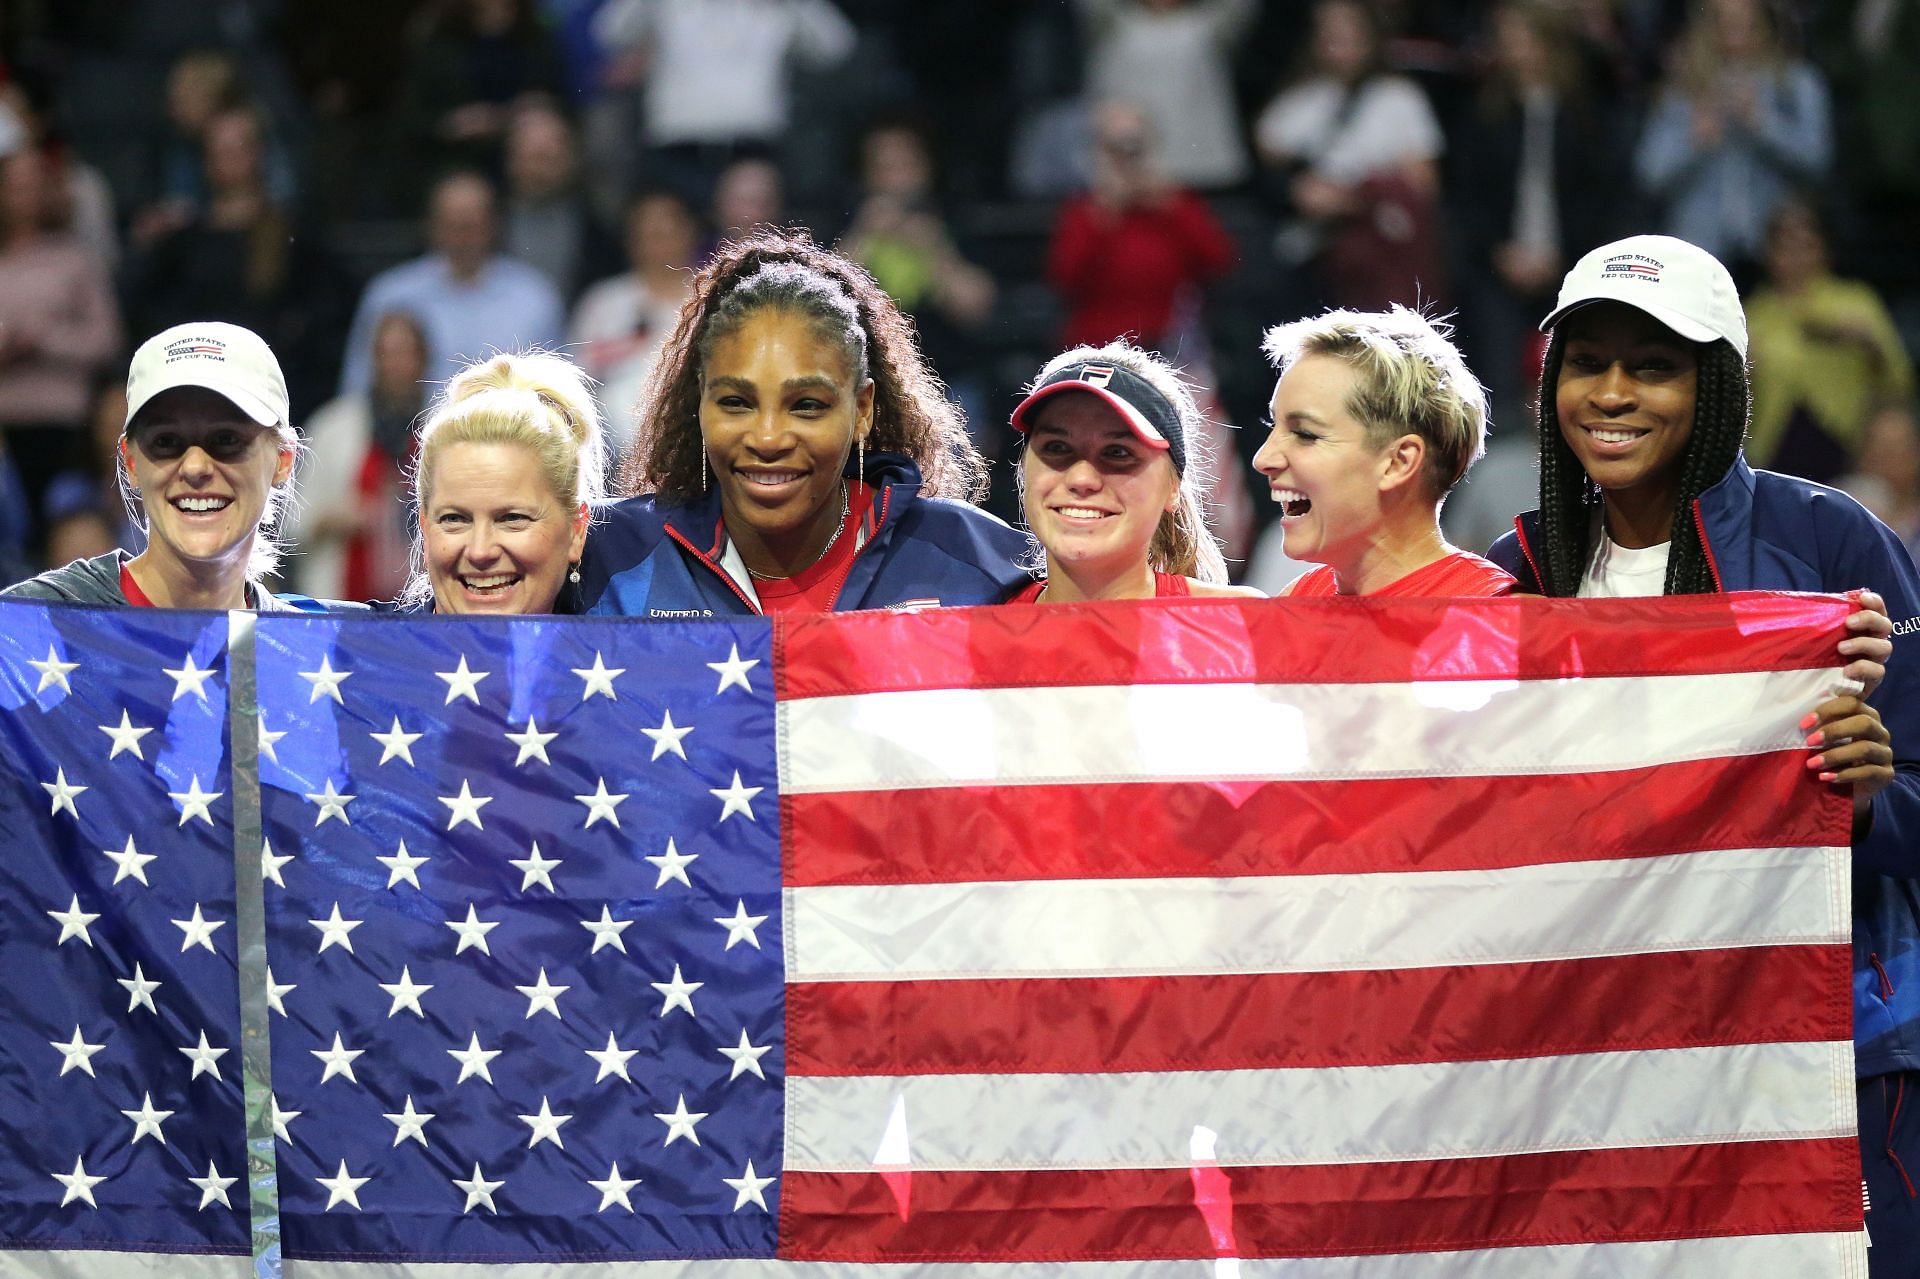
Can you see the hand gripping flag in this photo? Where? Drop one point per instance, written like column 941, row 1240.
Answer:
column 1290, row 939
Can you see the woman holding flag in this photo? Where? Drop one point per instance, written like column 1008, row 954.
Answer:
column 509, row 462
column 1644, row 490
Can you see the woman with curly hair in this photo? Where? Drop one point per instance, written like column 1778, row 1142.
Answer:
column 795, row 453
column 1645, row 490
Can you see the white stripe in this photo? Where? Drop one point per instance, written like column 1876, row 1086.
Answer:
column 1402, row 919
column 1808, row 1256
column 1027, row 736
column 1825, row 1256
column 1428, row 1110
column 83, row 1263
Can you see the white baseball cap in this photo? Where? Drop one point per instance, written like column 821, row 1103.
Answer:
column 1679, row 284
column 223, row 358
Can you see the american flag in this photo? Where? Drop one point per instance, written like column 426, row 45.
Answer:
column 1413, row 939
column 119, row 999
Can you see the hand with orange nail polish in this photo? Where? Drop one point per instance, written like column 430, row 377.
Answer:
column 1853, row 746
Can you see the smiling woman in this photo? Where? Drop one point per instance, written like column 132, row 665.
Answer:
column 795, row 453
column 1644, row 490
column 1375, row 419
column 1111, row 480
column 509, row 462
column 205, row 463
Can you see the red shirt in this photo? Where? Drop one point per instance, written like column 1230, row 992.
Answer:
column 1122, row 272
column 1454, row 576
column 1165, row 586
column 814, row 588
column 131, row 589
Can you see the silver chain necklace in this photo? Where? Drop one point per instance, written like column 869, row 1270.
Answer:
column 846, row 509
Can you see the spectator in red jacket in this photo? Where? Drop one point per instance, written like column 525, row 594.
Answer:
column 1130, row 251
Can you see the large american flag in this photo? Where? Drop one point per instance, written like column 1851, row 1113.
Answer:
column 1314, row 940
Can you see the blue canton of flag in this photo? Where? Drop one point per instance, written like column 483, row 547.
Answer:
column 523, row 916
column 120, row 1067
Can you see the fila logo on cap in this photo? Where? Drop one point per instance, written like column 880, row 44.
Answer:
column 1096, row 374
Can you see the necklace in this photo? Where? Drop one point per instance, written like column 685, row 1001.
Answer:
column 846, row 509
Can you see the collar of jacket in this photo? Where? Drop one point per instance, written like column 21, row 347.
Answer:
column 1724, row 515
column 700, row 526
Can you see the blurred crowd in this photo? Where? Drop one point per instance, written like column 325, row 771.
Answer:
column 384, row 188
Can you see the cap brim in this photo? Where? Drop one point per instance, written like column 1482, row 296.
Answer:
column 256, row 409
column 1147, row 433
column 1691, row 330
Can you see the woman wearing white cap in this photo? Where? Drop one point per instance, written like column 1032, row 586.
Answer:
column 205, row 462
column 1111, row 480
column 1644, row 491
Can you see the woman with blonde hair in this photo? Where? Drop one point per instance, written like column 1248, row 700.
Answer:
column 205, row 464
column 1111, row 478
column 1376, row 418
column 509, row 464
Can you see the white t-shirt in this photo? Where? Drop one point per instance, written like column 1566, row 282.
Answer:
column 1174, row 65
column 1616, row 572
column 718, row 68
column 1390, row 124
column 617, row 331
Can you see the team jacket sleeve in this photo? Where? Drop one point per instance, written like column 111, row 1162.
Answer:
column 1876, row 560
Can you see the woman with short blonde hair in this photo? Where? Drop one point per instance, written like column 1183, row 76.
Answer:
column 1376, row 418
column 205, row 464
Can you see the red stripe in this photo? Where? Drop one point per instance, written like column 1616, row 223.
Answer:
column 1309, row 641
column 1675, row 1192
column 1253, row 1021
column 1154, row 829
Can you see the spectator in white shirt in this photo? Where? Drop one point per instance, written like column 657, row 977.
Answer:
column 1171, row 59
column 715, row 74
column 1354, row 150
column 620, row 323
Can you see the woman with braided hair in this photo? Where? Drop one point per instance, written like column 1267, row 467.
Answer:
column 1644, row 490
column 795, row 453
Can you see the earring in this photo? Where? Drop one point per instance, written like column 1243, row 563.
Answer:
column 573, row 574
column 861, row 472
column 703, row 471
